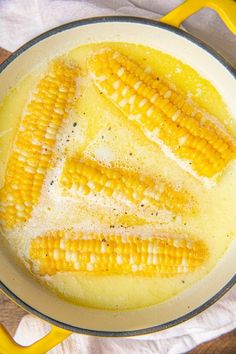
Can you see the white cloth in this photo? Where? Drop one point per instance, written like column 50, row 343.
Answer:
column 216, row 320
column 21, row 20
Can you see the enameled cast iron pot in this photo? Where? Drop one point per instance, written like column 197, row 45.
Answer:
column 18, row 284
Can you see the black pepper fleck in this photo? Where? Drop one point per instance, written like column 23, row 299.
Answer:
column 74, row 124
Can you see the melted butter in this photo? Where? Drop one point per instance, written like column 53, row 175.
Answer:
column 104, row 134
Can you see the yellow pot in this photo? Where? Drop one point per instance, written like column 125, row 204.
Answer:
column 18, row 284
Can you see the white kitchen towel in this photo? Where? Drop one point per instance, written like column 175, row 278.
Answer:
column 21, row 20
column 216, row 320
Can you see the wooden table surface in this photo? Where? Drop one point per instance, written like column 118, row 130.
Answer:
column 10, row 314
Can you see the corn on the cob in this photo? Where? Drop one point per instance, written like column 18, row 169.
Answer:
column 185, row 132
column 35, row 139
column 84, row 176
column 63, row 251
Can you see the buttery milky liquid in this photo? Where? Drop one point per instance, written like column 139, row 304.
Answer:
column 102, row 133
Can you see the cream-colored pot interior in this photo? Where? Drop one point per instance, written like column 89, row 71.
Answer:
column 20, row 282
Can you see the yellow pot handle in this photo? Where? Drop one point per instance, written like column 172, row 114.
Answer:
column 225, row 8
column 42, row 346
